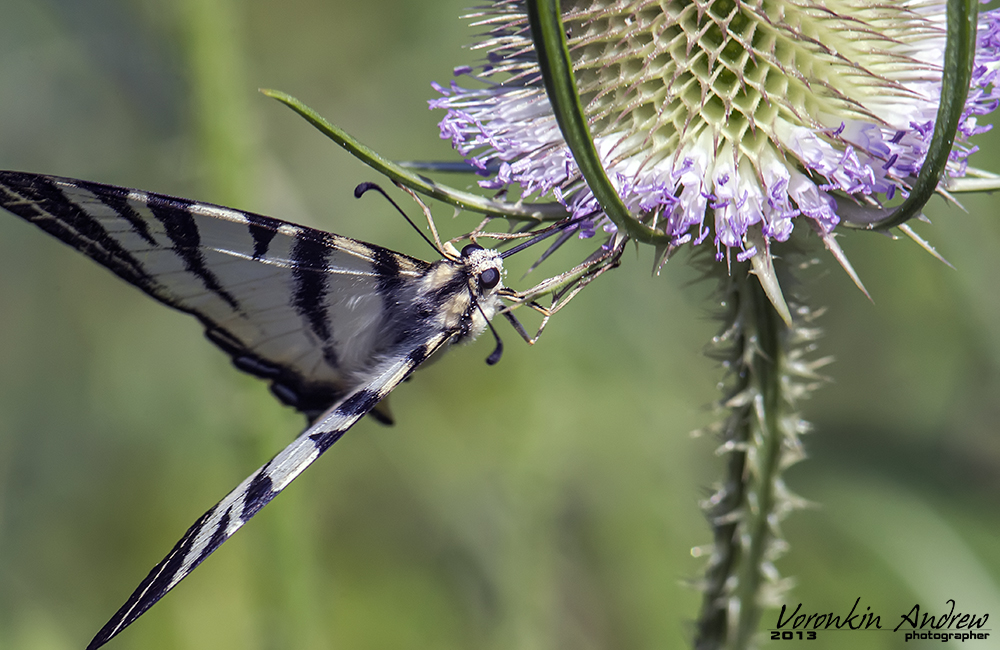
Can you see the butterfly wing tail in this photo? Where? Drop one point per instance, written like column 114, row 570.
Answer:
column 226, row 517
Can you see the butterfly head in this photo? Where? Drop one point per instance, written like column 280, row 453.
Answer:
column 485, row 267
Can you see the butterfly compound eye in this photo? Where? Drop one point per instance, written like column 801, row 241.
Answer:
column 489, row 278
column 470, row 248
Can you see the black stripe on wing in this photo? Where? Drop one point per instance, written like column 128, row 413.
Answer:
column 262, row 231
column 261, row 287
column 310, row 292
column 217, row 525
column 183, row 232
column 37, row 199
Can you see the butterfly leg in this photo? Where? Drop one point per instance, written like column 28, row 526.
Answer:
column 563, row 288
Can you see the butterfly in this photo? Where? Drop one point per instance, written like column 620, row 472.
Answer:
column 332, row 323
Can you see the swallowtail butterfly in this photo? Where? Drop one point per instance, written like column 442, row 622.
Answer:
column 351, row 322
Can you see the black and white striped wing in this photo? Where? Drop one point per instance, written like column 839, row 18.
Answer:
column 305, row 309
column 226, row 517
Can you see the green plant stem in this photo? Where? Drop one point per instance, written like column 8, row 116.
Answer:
column 223, row 114
column 959, row 58
column 712, row 627
column 766, row 368
column 756, row 435
column 220, row 109
column 417, row 182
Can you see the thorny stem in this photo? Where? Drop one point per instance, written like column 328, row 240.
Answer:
column 760, row 437
column 766, row 368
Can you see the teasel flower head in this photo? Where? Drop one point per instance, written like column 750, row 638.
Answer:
column 727, row 122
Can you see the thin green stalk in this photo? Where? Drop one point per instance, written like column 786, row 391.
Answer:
column 417, row 182
column 220, row 108
column 959, row 57
column 549, row 37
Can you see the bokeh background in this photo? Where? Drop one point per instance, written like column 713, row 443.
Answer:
column 548, row 502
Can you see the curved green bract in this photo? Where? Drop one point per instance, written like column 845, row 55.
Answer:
column 549, row 37
column 417, row 182
column 959, row 57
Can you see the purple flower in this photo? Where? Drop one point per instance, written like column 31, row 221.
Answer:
column 727, row 119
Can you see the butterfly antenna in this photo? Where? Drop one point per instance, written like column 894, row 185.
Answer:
column 360, row 190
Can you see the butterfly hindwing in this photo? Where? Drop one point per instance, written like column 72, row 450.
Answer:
column 270, row 293
column 226, row 517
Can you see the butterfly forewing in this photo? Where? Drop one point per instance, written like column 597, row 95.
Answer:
column 303, row 308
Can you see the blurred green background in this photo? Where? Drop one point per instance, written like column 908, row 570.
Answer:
column 548, row 502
